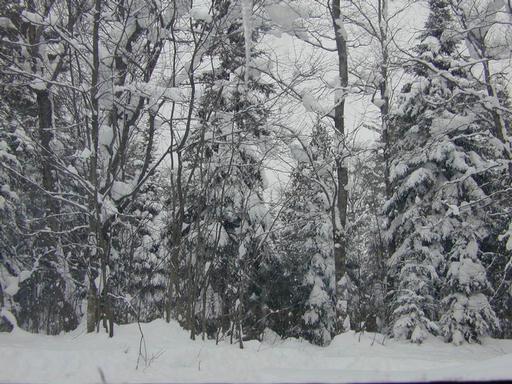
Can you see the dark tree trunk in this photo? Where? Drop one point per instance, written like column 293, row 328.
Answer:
column 339, row 125
column 46, row 135
column 93, row 301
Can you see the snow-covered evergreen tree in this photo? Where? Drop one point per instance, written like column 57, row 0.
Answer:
column 138, row 261
column 306, row 241
column 444, row 159
column 16, row 153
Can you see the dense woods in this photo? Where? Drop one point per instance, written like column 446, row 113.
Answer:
column 235, row 165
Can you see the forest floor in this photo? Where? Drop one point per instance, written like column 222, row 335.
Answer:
column 171, row 356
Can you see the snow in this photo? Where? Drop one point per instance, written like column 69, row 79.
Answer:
column 312, row 104
column 9, row 316
column 346, row 323
column 398, row 171
column 24, row 275
column 171, row 356
column 378, row 102
column 452, row 210
column 432, row 44
column 12, row 286
column 106, row 135
column 298, row 153
column 468, row 272
column 120, row 189
column 507, row 234
column 341, row 30
column 201, row 13
column 38, row 85
column 5, row 23
column 85, row 154
column 282, row 15
column 32, row 18
column 155, row 92
column 246, row 17
column 12, row 283
column 260, row 64
column 417, row 177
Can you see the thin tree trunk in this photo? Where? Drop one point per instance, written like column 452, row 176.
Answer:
column 384, row 92
column 94, row 205
column 203, row 313
column 339, row 125
column 499, row 125
column 106, row 299
column 92, row 297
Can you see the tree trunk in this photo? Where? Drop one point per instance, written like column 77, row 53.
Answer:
column 45, row 113
column 92, row 306
column 499, row 125
column 339, row 125
column 106, row 305
column 384, row 92
column 94, row 205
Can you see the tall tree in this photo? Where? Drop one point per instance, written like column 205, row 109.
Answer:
column 306, row 248
column 340, row 35
column 35, row 132
column 484, row 25
column 223, row 247
column 444, row 161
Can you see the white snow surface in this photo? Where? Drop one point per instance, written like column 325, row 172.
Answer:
column 201, row 13
column 78, row 357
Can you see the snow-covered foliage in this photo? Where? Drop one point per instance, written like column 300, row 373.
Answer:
column 220, row 250
column 85, row 128
column 37, row 287
column 138, row 259
column 445, row 160
column 306, row 248
column 136, row 141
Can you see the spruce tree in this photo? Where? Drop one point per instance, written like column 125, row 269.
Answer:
column 438, row 216
column 306, row 248
column 138, row 261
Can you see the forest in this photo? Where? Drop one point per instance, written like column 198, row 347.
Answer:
column 305, row 166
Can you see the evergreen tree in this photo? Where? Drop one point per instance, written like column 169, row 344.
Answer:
column 306, row 241
column 439, row 225
column 499, row 262
column 138, row 261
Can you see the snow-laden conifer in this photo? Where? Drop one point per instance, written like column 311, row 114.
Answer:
column 308, row 254
column 445, row 157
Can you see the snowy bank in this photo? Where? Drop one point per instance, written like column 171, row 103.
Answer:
column 78, row 357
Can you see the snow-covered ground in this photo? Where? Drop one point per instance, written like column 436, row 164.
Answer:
column 84, row 358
